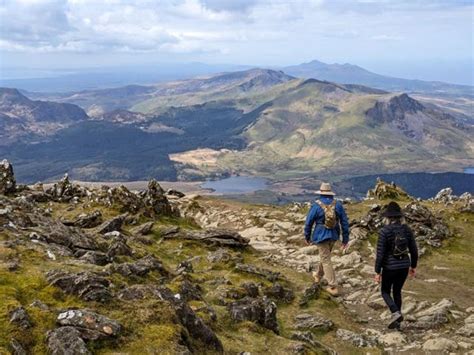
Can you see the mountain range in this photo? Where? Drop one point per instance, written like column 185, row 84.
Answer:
column 354, row 74
column 258, row 122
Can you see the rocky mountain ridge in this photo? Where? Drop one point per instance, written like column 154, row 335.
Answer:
column 93, row 270
column 22, row 118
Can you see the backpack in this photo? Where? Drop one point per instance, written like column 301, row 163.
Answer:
column 400, row 245
column 330, row 217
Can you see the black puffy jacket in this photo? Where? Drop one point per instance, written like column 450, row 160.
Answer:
column 385, row 259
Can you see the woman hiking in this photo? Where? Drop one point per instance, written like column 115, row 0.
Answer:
column 397, row 256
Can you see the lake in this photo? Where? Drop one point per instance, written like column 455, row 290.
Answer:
column 236, row 185
column 469, row 170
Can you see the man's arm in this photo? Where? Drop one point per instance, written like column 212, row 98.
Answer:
column 344, row 222
column 308, row 226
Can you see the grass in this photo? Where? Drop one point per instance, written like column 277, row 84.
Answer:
column 151, row 324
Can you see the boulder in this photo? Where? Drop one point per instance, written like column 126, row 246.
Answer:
column 355, row 339
column 434, row 316
column 7, row 178
column 445, row 196
column 188, row 318
column 17, row 348
column 308, row 337
column 114, row 224
column 156, row 201
column 139, row 292
column 142, row 229
column 383, row 190
column 259, row 310
column 312, row 321
column 85, row 220
column 92, row 257
column 53, row 231
column 20, row 317
column 251, row 269
column 66, row 340
column 251, row 289
column 119, row 247
column 279, row 293
column 310, row 293
column 140, row 267
column 219, row 237
column 440, row 345
column 87, row 285
column 393, row 339
column 91, row 325
column 64, row 190
column 189, row 291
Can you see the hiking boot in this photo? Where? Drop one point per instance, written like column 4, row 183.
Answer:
column 395, row 320
column 316, row 277
column 333, row 291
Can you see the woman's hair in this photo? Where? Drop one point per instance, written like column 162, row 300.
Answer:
column 393, row 220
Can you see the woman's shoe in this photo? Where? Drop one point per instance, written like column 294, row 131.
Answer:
column 395, row 320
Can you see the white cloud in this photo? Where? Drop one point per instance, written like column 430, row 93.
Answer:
column 257, row 31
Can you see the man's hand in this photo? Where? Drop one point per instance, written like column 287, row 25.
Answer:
column 412, row 272
column 378, row 278
column 344, row 246
column 307, row 242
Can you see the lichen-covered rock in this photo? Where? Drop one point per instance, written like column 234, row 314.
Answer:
column 310, row 293
column 17, row 348
column 279, row 293
column 20, row 317
column 140, row 267
column 119, row 247
column 355, row 339
column 312, row 321
column 64, row 190
column 219, row 237
column 114, row 224
column 66, row 341
column 156, row 201
column 383, row 190
column 251, row 269
column 188, row 318
column 143, row 229
column 87, row 285
column 440, row 345
column 7, row 178
column 85, row 220
column 92, row 257
column 445, row 196
column 91, row 325
column 260, row 310
column 434, row 316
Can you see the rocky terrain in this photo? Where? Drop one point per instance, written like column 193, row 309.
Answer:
column 107, row 270
column 25, row 119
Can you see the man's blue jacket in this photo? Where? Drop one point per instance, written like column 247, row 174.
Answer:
column 321, row 233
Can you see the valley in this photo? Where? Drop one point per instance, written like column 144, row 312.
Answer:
column 257, row 122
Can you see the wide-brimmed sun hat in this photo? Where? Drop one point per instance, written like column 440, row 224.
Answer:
column 325, row 189
column 393, row 209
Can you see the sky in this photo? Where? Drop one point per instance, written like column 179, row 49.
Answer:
column 425, row 39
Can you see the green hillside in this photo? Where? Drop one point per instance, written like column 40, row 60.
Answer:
column 327, row 129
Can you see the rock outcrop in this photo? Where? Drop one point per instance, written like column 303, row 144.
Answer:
column 7, row 178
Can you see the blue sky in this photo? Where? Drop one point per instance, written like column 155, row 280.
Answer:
column 426, row 39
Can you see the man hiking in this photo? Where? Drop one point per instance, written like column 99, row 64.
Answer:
column 328, row 217
column 397, row 256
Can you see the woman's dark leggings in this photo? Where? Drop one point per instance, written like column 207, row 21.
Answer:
column 395, row 279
